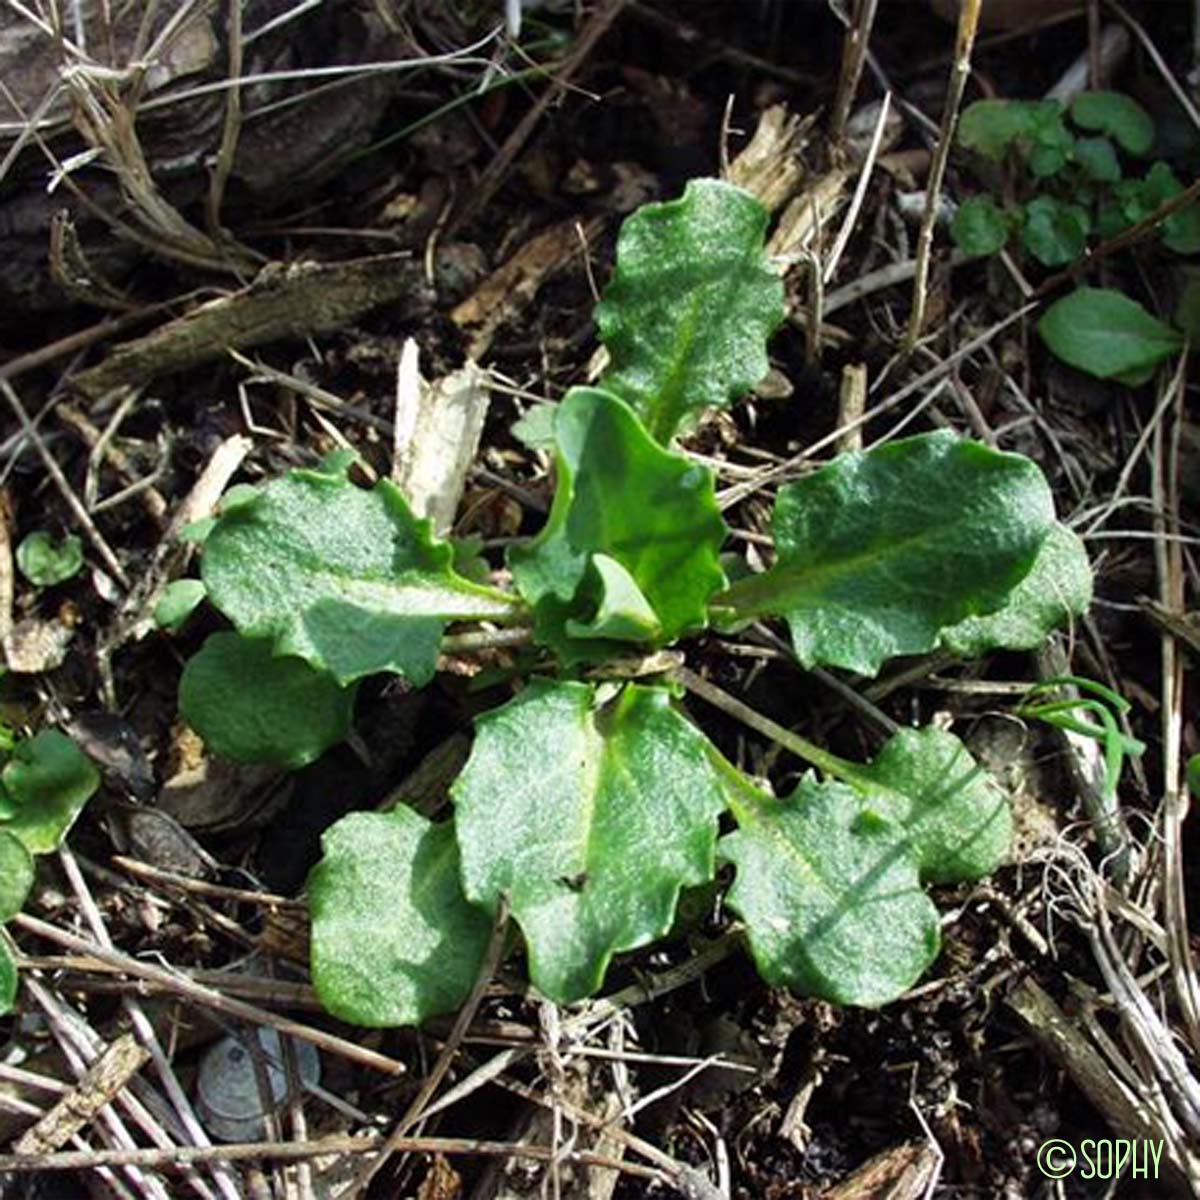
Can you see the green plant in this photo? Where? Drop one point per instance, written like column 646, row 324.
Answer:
column 588, row 803
column 1067, row 189
column 44, row 785
column 45, row 562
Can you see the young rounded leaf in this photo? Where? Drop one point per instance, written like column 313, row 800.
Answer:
column 45, row 562
column 881, row 550
column 1053, row 232
column 1106, row 334
column 393, row 939
column 830, row 895
column 980, row 227
column 1119, row 116
column 1057, row 589
column 249, row 704
column 1098, row 159
column 179, row 600
column 16, row 875
column 346, row 579
column 630, row 550
column 989, row 127
column 48, row 780
column 591, row 819
column 691, row 305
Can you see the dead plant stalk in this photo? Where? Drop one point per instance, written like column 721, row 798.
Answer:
column 968, row 23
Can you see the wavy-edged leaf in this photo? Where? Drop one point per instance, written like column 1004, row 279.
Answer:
column 830, row 895
column 1057, row 590
column 394, row 941
column 957, row 821
column 249, row 704
column 48, row 780
column 591, row 819
column 8, row 979
column 1106, row 334
column 691, row 304
column 346, row 579
column 630, row 550
column 881, row 550
column 16, row 875
column 829, row 880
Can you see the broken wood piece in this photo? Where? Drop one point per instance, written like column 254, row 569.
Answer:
column 769, row 166
column 283, row 302
column 100, row 1085
column 437, row 432
column 807, row 215
column 902, row 1172
column 512, row 287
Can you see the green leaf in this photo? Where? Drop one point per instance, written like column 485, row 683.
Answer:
column 880, row 551
column 1033, row 127
column 16, row 875
column 346, row 579
column 45, row 562
column 393, row 939
column 1054, row 233
column 1187, row 309
column 830, row 894
column 179, row 600
column 1119, row 116
column 691, row 305
column 1057, row 589
column 1105, row 333
column 630, row 550
column 249, row 704
column 8, row 979
column 49, row 779
column 829, row 880
column 990, row 127
column 622, row 612
column 591, row 819
column 957, row 822
column 980, row 227
column 1097, row 159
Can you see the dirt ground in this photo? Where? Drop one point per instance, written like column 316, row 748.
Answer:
column 402, row 170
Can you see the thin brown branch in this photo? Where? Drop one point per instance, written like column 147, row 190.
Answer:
column 186, row 1156
column 854, row 55
column 968, row 23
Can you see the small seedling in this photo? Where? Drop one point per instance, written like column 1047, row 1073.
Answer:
column 1068, row 189
column 588, row 802
column 1070, row 714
